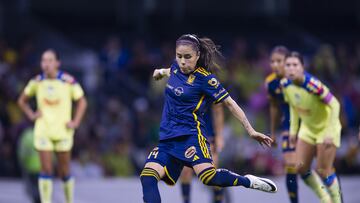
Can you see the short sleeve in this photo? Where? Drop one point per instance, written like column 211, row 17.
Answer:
column 214, row 89
column 30, row 89
column 316, row 87
column 76, row 91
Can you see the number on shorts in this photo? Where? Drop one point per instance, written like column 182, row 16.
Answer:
column 154, row 153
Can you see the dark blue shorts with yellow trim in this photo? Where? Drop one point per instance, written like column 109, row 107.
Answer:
column 175, row 153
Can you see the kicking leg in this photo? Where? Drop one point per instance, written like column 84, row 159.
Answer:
column 224, row 178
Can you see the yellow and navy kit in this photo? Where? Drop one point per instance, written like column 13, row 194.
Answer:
column 187, row 98
column 183, row 128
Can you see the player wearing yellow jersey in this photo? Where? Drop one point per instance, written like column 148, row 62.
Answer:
column 314, row 105
column 54, row 127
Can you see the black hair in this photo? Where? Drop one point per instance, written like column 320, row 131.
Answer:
column 56, row 54
column 297, row 55
column 210, row 56
column 280, row 49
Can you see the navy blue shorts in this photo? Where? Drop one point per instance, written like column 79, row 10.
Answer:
column 175, row 153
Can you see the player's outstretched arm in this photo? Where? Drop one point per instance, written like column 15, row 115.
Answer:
column 218, row 121
column 240, row 115
column 161, row 73
column 81, row 105
column 25, row 107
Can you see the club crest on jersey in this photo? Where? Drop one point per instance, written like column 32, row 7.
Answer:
column 191, row 79
column 190, row 152
column 213, row 82
column 179, row 91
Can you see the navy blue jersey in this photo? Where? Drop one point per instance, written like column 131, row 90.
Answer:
column 187, row 98
column 274, row 89
column 208, row 118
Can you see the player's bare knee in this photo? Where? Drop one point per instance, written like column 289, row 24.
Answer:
column 301, row 168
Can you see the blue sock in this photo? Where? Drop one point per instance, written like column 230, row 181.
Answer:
column 330, row 179
column 292, row 187
column 222, row 178
column 218, row 194
column 185, row 191
column 149, row 181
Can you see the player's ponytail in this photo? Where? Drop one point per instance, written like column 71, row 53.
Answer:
column 210, row 56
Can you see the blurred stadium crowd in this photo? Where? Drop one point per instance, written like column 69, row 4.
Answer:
column 125, row 104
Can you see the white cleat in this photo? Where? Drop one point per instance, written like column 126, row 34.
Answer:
column 262, row 184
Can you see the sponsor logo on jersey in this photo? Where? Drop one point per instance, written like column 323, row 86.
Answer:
column 190, row 152
column 51, row 102
column 213, row 82
column 219, row 93
column 179, row 91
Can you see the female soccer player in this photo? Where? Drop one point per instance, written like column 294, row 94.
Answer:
column 190, row 90
column 312, row 103
column 214, row 121
column 54, row 128
column 280, row 109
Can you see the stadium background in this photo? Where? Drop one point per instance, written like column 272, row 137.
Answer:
column 112, row 47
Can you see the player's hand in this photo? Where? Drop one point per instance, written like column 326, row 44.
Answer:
column 274, row 144
column 292, row 140
column 158, row 74
column 262, row 139
column 72, row 124
column 35, row 115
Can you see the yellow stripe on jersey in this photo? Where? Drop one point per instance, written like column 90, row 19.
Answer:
column 222, row 97
column 270, row 77
column 201, row 138
column 203, row 71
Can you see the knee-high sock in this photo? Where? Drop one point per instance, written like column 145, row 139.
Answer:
column 314, row 182
column 185, row 191
column 291, row 184
column 45, row 188
column 68, row 186
column 222, row 178
column 218, row 194
column 149, row 181
column 332, row 183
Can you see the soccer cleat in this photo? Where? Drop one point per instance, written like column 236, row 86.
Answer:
column 262, row 184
